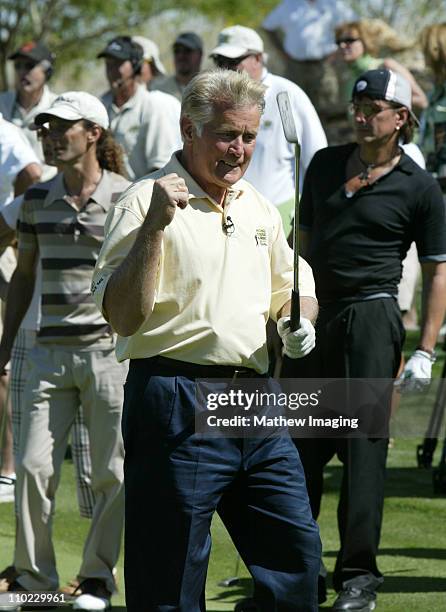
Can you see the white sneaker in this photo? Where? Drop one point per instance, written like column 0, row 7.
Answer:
column 7, row 486
column 91, row 602
column 94, row 596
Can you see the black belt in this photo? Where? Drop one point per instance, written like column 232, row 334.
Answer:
column 196, row 370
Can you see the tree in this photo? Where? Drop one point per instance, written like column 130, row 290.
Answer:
column 72, row 27
column 68, row 27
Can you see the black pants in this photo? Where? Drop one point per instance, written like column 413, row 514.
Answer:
column 358, row 340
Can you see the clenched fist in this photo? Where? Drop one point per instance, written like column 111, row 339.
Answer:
column 169, row 192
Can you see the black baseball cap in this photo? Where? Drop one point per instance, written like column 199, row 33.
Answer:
column 387, row 85
column 123, row 48
column 189, row 40
column 35, row 51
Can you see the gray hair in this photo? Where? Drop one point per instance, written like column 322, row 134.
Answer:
column 219, row 89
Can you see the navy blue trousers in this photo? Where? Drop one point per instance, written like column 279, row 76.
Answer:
column 175, row 479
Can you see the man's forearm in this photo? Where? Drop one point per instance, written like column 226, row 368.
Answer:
column 130, row 292
column 433, row 305
column 20, row 293
column 308, row 308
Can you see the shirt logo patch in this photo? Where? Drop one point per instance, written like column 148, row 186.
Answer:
column 261, row 237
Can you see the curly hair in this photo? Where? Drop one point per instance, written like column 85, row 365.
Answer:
column 108, row 152
column 433, row 45
column 375, row 35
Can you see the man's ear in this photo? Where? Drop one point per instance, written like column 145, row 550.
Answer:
column 187, row 129
column 402, row 117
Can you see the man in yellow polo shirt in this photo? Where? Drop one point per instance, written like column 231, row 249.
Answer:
column 194, row 263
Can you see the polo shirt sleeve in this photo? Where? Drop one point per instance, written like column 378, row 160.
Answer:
column 121, row 228
column 274, row 20
column 26, row 227
column 282, row 268
column 430, row 225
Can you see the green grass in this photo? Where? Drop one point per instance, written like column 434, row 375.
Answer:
column 412, row 554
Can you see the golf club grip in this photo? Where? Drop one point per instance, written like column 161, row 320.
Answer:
column 295, row 311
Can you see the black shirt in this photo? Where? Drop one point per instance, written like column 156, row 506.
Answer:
column 358, row 243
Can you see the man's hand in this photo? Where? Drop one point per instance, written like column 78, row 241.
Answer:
column 299, row 343
column 417, row 372
column 169, row 192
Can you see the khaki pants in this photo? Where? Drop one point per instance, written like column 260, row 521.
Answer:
column 59, row 380
column 80, row 445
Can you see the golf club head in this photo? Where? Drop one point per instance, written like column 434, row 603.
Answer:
column 286, row 115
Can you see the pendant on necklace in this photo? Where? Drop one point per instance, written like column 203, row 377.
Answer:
column 365, row 174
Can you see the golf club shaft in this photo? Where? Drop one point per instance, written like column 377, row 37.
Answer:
column 295, row 299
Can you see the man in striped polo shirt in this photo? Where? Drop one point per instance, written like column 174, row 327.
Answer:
column 73, row 361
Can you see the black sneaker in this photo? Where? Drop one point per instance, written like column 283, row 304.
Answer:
column 94, row 596
column 355, row 599
column 8, row 575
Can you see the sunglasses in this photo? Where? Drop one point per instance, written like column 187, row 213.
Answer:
column 227, row 62
column 25, row 64
column 368, row 110
column 346, row 41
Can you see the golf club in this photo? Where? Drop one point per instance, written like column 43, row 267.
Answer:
column 289, row 128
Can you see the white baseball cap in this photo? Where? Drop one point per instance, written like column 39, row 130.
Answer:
column 237, row 41
column 151, row 52
column 75, row 105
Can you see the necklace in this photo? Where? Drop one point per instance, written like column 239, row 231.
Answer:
column 364, row 178
column 365, row 175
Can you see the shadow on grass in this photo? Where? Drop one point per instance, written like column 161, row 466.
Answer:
column 407, row 584
column 413, row 584
column 400, row 482
column 242, row 589
column 414, row 553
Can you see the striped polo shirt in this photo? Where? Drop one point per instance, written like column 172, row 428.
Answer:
column 68, row 242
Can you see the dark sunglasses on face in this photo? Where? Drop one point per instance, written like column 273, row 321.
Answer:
column 24, row 64
column 177, row 49
column 227, row 62
column 346, row 41
column 369, row 110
